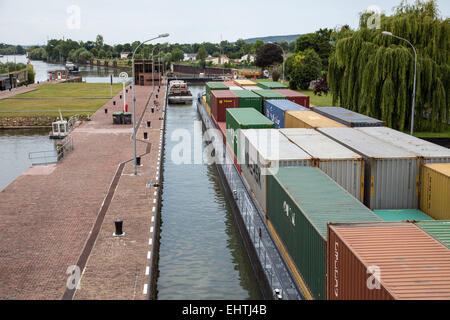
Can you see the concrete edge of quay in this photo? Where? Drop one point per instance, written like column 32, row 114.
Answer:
column 154, row 257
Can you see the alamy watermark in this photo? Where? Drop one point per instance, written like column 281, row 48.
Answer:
column 374, row 20
column 73, row 21
column 73, row 281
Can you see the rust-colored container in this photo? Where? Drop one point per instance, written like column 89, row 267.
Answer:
column 220, row 101
column 385, row 261
column 294, row 96
column 229, row 83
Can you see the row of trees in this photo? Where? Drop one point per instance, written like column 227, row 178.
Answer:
column 13, row 67
column 373, row 74
column 62, row 50
column 8, row 49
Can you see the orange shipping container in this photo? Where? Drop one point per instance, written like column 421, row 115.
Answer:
column 309, row 120
column 385, row 261
column 435, row 190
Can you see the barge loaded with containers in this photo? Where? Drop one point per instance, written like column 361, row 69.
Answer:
column 330, row 203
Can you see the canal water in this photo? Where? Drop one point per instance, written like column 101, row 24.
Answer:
column 202, row 256
column 90, row 74
column 14, row 148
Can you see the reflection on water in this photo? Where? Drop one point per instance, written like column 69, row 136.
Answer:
column 201, row 253
column 14, row 148
column 90, row 74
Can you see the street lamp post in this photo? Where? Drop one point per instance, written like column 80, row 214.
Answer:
column 164, row 35
column 386, row 33
column 284, row 60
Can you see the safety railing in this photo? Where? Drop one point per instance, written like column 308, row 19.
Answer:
column 275, row 268
column 52, row 156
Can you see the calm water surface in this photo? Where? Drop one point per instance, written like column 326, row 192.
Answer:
column 201, row 254
column 14, row 148
column 89, row 74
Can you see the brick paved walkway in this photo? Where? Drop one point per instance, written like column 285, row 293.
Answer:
column 48, row 215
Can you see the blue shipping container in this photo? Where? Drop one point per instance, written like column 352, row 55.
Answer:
column 275, row 110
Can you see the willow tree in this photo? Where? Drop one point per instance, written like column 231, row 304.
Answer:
column 373, row 74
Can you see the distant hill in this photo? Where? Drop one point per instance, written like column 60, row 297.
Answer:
column 288, row 39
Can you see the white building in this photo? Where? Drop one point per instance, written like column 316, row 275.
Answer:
column 249, row 58
column 126, row 55
column 218, row 60
column 190, row 57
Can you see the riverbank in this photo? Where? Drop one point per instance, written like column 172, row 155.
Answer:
column 46, row 238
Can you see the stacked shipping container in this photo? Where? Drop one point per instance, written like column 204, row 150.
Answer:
column 309, row 120
column 222, row 100
column 271, row 85
column 391, row 177
column 275, row 110
column 300, row 203
column 213, row 86
column 386, row 261
column 248, row 99
column 435, row 190
column 295, row 96
column 241, row 119
column 347, row 117
column 264, row 149
column 340, row 163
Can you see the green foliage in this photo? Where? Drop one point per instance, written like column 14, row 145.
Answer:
column 373, row 74
column 9, row 49
column 269, row 55
column 31, row 73
column 319, row 41
column 201, row 53
column 177, row 55
column 38, row 54
column 302, row 68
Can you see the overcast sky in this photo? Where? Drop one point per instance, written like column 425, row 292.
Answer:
column 31, row 22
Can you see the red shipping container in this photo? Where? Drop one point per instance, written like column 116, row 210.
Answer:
column 230, row 84
column 385, row 261
column 220, row 101
column 294, row 96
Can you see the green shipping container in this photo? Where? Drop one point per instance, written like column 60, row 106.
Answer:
column 269, row 95
column 214, row 86
column 440, row 230
column 271, row 85
column 241, row 119
column 301, row 201
column 402, row 215
column 249, row 99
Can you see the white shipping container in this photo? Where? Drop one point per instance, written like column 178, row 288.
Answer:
column 427, row 151
column 235, row 88
column 264, row 149
column 391, row 176
column 340, row 163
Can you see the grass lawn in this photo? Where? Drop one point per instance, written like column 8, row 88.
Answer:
column 49, row 107
column 318, row 101
column 74, row 90
column 445, row 134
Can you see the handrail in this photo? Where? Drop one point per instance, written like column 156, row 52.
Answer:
column 56, row 155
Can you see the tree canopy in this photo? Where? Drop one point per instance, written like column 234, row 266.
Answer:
column 373, row 74
column 268, row 55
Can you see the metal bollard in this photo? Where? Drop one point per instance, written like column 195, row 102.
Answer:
column 106, row 110
column 114, row 103
column 148, row 124
column 120, row 96
column 145, row 135
column 153, row 110
column 119, row 232
column 138, row 161
column 126, row 90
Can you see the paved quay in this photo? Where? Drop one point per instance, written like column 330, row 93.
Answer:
column 57, row 216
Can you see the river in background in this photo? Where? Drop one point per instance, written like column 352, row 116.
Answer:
column 15, row 144
column 90, row 74
column 202, row 256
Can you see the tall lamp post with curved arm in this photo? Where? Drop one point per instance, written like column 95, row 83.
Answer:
column 386, row 33
column 164, row 35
